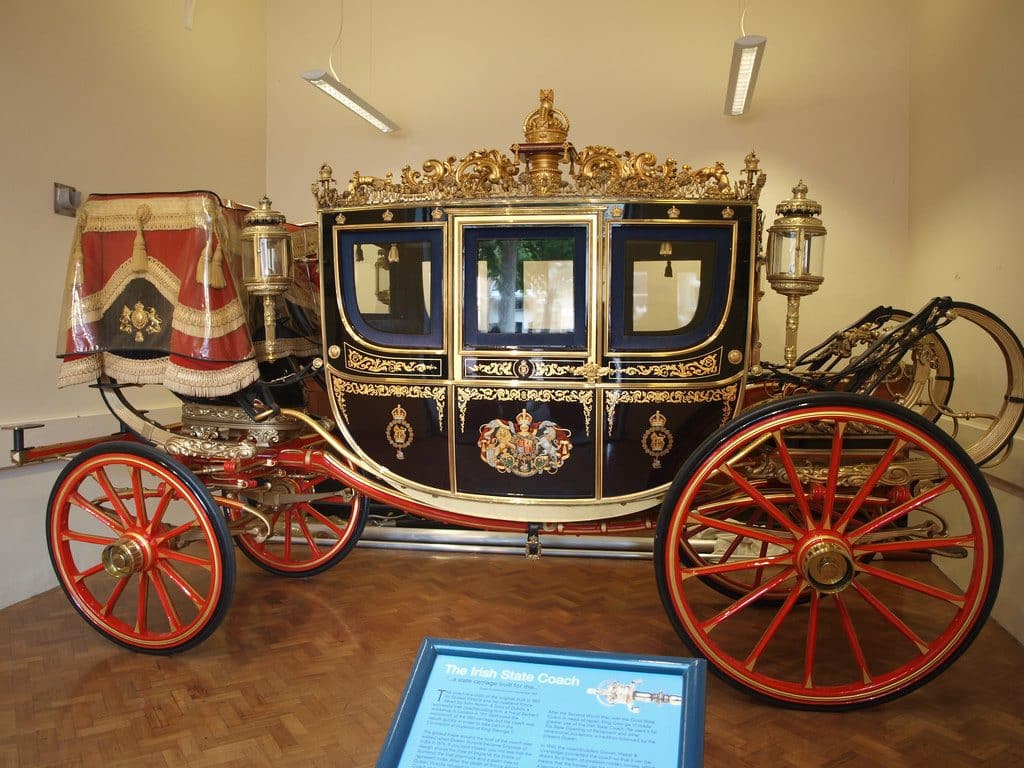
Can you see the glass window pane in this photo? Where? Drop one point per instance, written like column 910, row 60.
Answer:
column 392, row 285
column 525, row 285
column 668, row 284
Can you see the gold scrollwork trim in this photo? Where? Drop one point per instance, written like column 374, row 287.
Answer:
column 366, row 363
column 612, row 398
column 585, row 397
column 595, row 171
column 706, row 365
column 209, row 449
column 344, row 387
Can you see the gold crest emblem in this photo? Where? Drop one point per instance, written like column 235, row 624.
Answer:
column 656, row 440
column 140, row 320
column 525, row 447
column 398, row 432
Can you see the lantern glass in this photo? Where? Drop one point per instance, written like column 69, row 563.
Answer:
column 795, row 253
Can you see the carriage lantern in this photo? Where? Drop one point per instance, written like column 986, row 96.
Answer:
column 266, row 265
column 796, row 255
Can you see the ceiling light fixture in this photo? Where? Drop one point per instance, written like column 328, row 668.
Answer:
column 323, row 80
column 747, row 53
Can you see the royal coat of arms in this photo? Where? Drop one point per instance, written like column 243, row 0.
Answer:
column 524, row 447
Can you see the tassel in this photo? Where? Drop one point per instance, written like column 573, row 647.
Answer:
column 210, row 271
column 139, row 256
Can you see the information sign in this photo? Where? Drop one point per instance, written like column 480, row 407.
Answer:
column 468, row 705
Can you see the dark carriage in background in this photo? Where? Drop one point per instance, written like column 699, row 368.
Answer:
column 556, row 341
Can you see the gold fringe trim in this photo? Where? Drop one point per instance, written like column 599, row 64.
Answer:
column 206, row 383
column 184, row 381
column 139, row 255
column 120, row 215
column 206, row 324
column 81, row 371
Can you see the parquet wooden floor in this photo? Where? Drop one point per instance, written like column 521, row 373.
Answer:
column 308, row 673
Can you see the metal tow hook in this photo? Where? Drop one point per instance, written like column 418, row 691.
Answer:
column 533, row 547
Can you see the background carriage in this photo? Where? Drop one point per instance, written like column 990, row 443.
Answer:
column 555, row 342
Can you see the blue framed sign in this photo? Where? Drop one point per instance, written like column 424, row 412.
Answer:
column 510, row 706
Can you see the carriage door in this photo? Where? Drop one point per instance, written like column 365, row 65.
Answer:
column 525, row 338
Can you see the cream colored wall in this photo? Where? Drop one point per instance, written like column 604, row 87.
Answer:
column 966, row 121
column 109, row 96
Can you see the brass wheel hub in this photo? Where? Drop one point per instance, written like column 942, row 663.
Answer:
column 123, row 558
column 826, row 562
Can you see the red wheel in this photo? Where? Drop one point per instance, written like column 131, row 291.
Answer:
column 315, row 525
column 855, row 500
column 140, row 548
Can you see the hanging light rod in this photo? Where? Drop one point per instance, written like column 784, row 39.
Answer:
column 747, row 53
column 323, row 80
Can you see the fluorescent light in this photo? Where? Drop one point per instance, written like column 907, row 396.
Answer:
column 326, row 83
column 747, row 53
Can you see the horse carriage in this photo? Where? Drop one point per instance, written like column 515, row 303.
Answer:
column 556, row 342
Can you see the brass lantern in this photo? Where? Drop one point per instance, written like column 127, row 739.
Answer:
column 796, row 254
column 267, row 264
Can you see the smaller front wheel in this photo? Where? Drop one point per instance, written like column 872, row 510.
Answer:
column 140, row 548
column 315, row 523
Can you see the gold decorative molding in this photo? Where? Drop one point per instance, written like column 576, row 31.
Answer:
column 344, row 387
column 612, row 398
column 535, row 170
column 584, row 397
column 705, row 365
column 367, row 363
column 209, row 449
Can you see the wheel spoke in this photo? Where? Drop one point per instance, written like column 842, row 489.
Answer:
column 883, row 610
column 901, row 511
column 914, row 545
column 759, row 498
column 812, row 639
column 322, row 518
column 115, row 595
column 773, row 628
column 165, row 600
column 138, row 492
column 794, row 479
column 760, row 534
column 746, row 600
column 851, row 637
column 737, row 565
column 83, row 575
column 86, row 538
column 759, row 573
column 287, row 535
column 161, row 508
column 177, row 531
column 100, row 514
column 865, row 491
column 309, row 536
column 834, row 462
column 917, row 586
column 115, row 499
column 142, row 605
column 181, row 557
column 172, row 573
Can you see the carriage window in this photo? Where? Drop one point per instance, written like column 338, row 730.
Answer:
column 392, row 286
column 525, row 286
column 666, row 280
column 669, row 285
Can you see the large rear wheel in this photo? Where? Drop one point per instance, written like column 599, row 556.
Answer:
column 849, row 505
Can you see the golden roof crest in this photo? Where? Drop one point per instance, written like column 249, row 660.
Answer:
column 535, row 170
